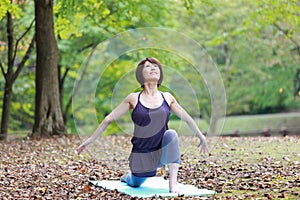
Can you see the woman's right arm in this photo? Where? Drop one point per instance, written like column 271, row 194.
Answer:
column 120, row 110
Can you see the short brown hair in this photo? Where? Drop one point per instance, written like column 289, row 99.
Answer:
column 139, row 70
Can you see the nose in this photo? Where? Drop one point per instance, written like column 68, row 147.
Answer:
column 153, row 67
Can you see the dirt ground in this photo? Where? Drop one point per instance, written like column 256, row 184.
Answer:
column 237, row 168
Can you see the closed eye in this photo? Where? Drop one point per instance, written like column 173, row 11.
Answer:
column 149, row 65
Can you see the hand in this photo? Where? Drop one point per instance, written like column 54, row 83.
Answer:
column 203, row 149
column 203, row 144
column 80, row 149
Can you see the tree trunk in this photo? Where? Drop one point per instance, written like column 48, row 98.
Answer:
column 8, row 78
column 6, row 110
column 48, row 120
column 11, row 75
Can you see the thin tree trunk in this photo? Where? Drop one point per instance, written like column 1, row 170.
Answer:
column 48, row 120
column 69, row 103
column 8, row 76
column 61, row 90
column 11, row 75
column 5, row 110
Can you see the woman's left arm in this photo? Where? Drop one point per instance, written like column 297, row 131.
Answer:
column 183, row 115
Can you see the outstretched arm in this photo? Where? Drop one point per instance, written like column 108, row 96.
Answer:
column 183, row 115
column 120, row 110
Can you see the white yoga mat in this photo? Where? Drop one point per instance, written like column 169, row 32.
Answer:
column 154, row 186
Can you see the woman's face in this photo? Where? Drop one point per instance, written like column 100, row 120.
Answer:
column 151, row 72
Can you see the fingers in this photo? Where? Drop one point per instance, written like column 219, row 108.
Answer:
column 204, row 149
column 203, row 146
column 80, row 149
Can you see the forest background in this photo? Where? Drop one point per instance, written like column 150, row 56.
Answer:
column 254, row 44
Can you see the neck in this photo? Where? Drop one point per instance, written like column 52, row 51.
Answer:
column 150, row 88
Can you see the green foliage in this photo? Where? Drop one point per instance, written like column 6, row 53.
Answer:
column 270, row 90
column 22, row 105
column 270, row 12
column 92, row 23
column 22, row 108
column 4, row 7
column 7, row 6
column 254, row 44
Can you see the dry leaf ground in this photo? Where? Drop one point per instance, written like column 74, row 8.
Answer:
column 237, row 168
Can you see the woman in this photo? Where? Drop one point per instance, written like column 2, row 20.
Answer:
column 153, row 143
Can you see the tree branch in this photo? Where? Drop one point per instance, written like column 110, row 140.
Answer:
column 86, row 47
column 68, row 106
column 62, row 80
column 286, row 34
column 2, row 70
column 25, row 58
column 20, row 38
column 10, row 41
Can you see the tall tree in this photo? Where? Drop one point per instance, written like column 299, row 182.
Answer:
column 12, row 69
column 48, row 115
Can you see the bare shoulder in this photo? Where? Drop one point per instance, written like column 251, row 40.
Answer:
column 132, row 99
column 169, row 97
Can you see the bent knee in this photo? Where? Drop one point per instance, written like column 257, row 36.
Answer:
column 135, row 181
column 171, row 133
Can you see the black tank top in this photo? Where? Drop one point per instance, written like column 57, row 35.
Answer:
column 149, row 126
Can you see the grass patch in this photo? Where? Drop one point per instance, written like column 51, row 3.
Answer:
column 244, row 123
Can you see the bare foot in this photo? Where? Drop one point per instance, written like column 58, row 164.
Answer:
column 173, row 187
column 123, row 178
